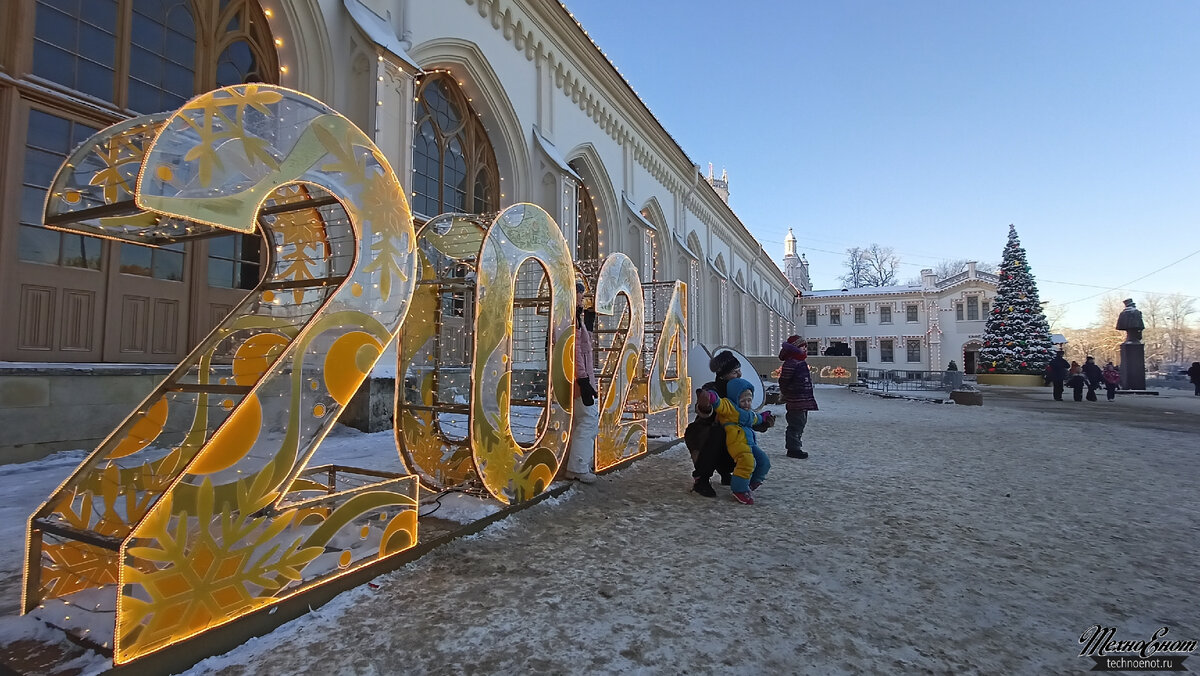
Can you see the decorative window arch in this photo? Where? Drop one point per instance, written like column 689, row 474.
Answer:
column 654, row 245
column 634, row 245
column 454, row 164
column 587, row 233
column 74, row 68
column 144, row 57
column 150, row 57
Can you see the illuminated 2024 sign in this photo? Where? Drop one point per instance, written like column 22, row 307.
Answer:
column 202, row 505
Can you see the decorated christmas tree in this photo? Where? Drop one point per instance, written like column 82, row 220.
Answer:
column 1017, row 337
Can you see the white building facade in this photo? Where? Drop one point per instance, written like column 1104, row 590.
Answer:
column 478, row 104
column 920, row 327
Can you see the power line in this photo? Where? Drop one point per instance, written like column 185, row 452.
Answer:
column 1134, row 281
column 1106, row 289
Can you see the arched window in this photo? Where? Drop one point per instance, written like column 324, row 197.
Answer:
column 587, row 229
column 653, row 271
column 77, row 66
column 176, row 49
column 454, row 166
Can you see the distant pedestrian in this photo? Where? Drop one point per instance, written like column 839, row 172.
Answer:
column 796, row 386
column 1075, row 380
column 1194, row 376
column 1111, row 378
column 1094, row 376
column 1058, row 373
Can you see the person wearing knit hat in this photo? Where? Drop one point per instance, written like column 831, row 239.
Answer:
column 704, row 437
column 796, row 386
column 723, row 365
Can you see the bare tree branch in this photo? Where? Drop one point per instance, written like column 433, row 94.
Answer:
column 855, row 268
column 881, row 266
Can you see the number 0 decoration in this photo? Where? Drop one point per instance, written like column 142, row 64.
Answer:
column 201, row 506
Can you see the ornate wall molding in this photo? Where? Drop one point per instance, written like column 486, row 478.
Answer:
column 518, row 27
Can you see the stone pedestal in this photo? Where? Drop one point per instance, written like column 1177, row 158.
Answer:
column 1133, row 366
column 967, row 398
column 370, row 410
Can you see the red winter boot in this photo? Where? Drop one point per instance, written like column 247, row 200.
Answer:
column 744, row 498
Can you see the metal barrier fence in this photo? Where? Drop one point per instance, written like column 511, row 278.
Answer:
column 889, row 380
column 1169, row 382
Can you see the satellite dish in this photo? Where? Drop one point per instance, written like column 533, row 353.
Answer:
column 748, row 373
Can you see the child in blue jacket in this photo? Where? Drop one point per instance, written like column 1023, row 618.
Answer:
column 735, row 415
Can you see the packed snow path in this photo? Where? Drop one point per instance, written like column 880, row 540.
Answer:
column 918, row 537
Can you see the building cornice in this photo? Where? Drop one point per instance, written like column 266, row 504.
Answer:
column 592, row 84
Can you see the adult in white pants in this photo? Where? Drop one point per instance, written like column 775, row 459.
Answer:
column 585, row 416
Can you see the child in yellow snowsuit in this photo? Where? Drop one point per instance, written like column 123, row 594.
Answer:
column 735, row 415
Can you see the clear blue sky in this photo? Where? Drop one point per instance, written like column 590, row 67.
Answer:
column 930, row 125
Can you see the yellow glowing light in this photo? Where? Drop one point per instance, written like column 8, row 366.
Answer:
column 271, row 342
column 227, row 471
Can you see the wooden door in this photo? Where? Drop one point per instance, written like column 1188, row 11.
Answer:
column 148, row 309
column 52, row 284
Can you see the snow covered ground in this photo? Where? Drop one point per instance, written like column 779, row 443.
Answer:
column 916, row 538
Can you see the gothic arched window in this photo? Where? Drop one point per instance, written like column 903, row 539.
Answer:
column 176, row 49
column 587, row 227
column 142, row 56
column 454, row 166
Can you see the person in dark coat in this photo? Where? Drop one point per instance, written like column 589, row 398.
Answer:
column 796, row 386
column 1094, row 376
column 1075, row 380
column 1058, row 373
column 705, row 438
column 1194, row 376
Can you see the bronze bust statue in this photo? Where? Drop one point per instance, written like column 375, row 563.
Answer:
column 1130, row 321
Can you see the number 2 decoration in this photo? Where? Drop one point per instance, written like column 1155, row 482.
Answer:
column 201, row 506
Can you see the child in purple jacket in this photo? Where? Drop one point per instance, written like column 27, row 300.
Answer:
column 796, row 386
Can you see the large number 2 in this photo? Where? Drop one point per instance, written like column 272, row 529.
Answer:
column 620, row 439
column 199, row 529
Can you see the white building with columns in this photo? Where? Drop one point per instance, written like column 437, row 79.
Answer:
column 920, row 327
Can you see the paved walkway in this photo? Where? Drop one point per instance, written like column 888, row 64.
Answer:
column 919, row 538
